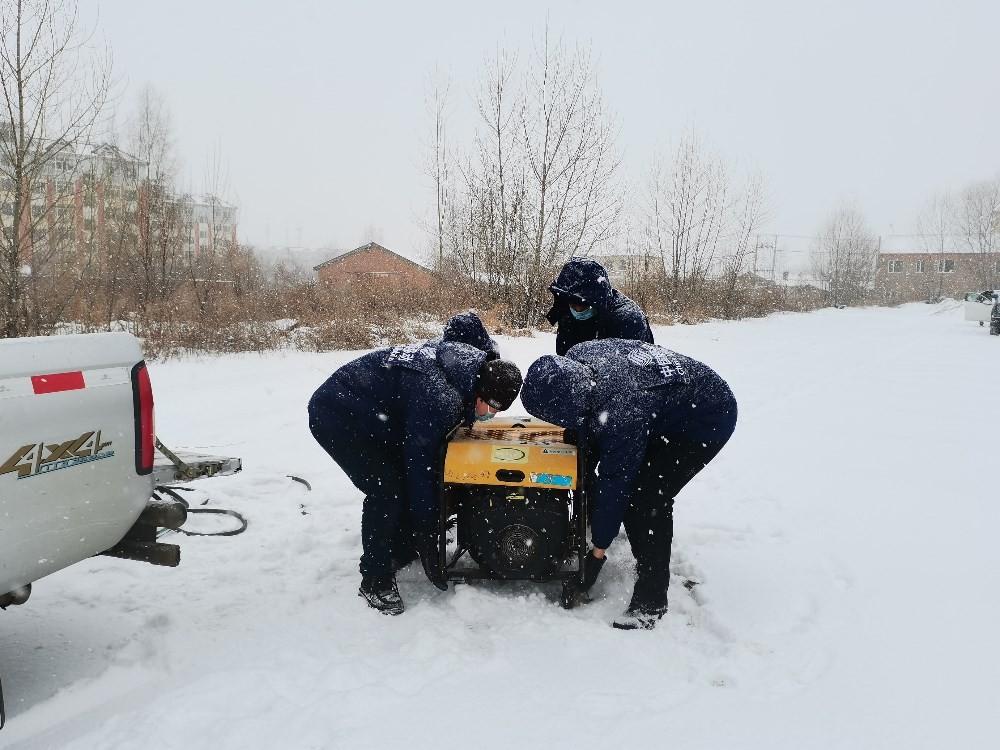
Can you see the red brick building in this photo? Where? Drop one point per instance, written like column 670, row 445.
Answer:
column 373, row 265
column 916, row 277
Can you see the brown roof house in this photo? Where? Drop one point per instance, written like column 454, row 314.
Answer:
column 372, row 266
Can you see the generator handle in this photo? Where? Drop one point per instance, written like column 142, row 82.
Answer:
column 581, row 488
column 442, row 510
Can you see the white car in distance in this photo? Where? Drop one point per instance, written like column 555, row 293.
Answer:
column 979, row 305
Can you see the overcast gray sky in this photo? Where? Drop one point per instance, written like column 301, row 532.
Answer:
column 318, row 107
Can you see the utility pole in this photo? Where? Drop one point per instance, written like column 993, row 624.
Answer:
column 774, row 256
column 878, row 259
column 940, row 267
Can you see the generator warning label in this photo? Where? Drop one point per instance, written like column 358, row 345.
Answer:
column 509, row 454
column 560, row 451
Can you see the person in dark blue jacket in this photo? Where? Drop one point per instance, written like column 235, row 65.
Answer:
column 383, row 418
column 586, row 307
column 468, row 328
column 650, row 419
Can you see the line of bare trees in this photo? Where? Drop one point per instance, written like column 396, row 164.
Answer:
column 967, row 221
column 845, row 254
column 540, row 180
column 96, row 232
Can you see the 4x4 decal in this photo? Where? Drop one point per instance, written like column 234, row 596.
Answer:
column 41, row 458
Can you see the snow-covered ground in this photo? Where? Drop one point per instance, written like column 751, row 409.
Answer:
column 844, row 544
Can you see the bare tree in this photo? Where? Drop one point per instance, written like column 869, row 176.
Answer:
column 571, row 163
column 977, row 226
column 844, row 256
column 494, row 186
column 694, row 212
column 751, row 210
column 933, row 230
column 436, row 164
column 145, row 255
column 640, row 271
column 698, row 218
column 212, row 219
column 540, row 182
column 56, row 85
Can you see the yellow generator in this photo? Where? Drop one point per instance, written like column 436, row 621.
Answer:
column 511, row 498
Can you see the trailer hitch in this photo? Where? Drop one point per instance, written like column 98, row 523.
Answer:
column 139, row 543
column 183, row 467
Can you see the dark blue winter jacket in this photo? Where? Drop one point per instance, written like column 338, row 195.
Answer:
column 620, row 395
column 616, row 316
column 408, row 398
column 467, row 328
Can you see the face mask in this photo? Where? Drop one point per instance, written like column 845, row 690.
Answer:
column 585, row 315
column 485, row 417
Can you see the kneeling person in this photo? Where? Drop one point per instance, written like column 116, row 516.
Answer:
column 650, row 419
column 383, row 418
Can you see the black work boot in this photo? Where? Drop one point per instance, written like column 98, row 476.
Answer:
column 648, row 605
column 382, row 594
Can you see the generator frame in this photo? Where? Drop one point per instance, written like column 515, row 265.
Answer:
column 447, row 519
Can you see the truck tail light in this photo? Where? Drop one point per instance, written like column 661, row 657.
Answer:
column 145, row 434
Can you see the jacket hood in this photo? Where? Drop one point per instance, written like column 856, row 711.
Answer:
column 557, row 389
column 467, row 328
column 461, row 364
column 583, row 280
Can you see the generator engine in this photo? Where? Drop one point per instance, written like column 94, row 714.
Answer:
column 515, row 534
column 510, row 491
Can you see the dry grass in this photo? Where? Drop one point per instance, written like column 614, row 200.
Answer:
column 312, row 317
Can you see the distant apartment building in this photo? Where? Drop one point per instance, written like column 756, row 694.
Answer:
column 81, row 205
column 211, row 223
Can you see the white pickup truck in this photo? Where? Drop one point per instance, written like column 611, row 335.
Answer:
column 78, row 460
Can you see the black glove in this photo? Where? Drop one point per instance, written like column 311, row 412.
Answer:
column 430, row 557
column 591, row 570
column 559, row 308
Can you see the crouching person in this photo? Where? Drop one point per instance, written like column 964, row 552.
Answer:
column 650, row 419
column 383, row 419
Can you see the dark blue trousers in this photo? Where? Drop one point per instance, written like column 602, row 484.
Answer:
column 649, row 520
column 378, row 471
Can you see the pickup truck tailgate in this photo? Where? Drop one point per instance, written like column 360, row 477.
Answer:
column 70, row 482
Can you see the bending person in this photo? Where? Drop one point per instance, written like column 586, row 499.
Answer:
column 650, row 420
column 383, row 418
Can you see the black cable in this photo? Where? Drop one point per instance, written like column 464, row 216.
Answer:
column 300, row 480
column 173, row 492
column 221, row 512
